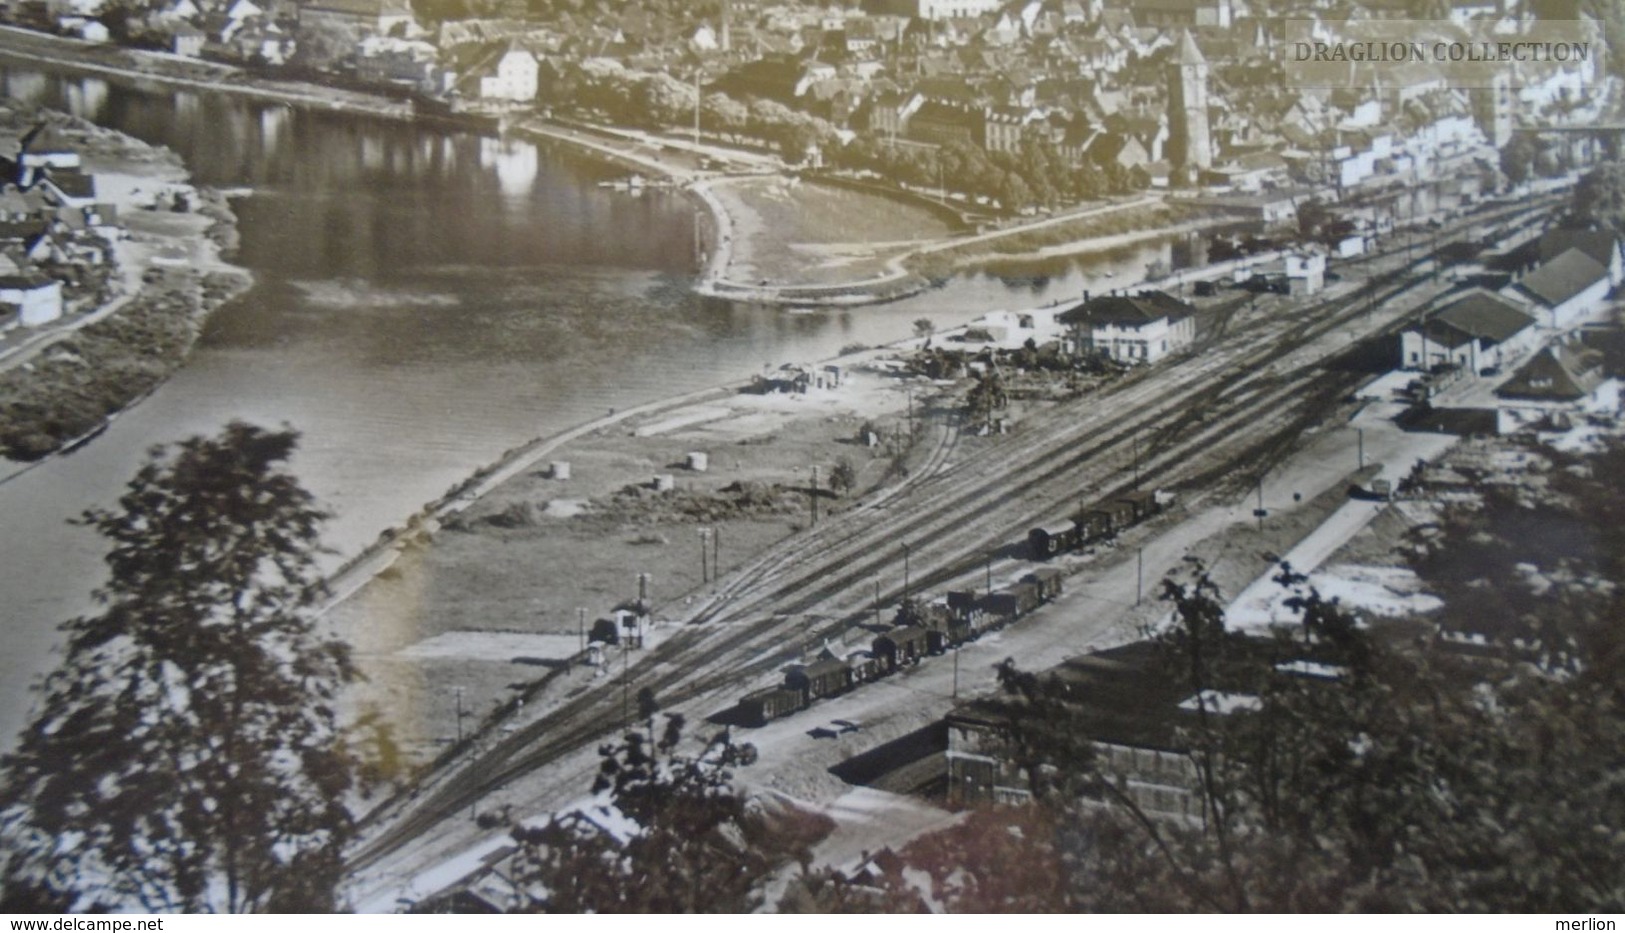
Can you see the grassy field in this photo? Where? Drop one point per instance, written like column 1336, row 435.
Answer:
column 1022, row 243
column 527, row 555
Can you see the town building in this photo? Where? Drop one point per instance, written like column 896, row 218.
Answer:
column 1478, row 331
column 1136, row 717
column 36, row 297
column 503, row 71
column 1565, row 378
column 1564, row 291
column 1601, row 245
column 1141, row 328
column 1190, row 143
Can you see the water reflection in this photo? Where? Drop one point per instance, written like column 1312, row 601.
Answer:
column 424, row 301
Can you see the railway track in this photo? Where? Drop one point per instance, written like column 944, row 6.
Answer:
column 1227, row 407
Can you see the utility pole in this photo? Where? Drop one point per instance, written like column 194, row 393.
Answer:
column 877, row 602
column 1139, row 575
column 815, row 495
column 716, row 547
column 1259, row 512
column 705, row 576
column 990, row 573
column 1136, row 460
column 581, row 627
column 905, row 571
column 1360, row 432
column 458, row 693
column 626, row 688
column 956, row 672
column 696, row 113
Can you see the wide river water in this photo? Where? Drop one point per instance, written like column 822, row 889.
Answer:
column 425, row 300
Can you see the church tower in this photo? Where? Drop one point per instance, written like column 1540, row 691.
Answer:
column 1190, row 145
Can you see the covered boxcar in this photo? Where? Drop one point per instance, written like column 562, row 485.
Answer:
column 863, row 665
column 1143, row 503
column 820, row 678
column 1049, row 540
column 1028, row 597
column 901, row 646
column 962, row 602
column 1093, row 525
column 1000, row 608
column 764, row 705
column 1048, row 581
column 1117, row 515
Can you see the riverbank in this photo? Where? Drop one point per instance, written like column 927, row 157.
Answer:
column 808, row 274
column 26, row 45
column 62, row 383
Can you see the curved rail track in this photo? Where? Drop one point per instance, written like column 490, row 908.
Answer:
column 1203, row 419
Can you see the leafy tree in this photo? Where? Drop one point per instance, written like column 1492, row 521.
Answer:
column 187, row 756
column 1600, row 197
column 696, row 845
column 843, row 476
column 1518, row 158
column 986, row 397
column 924, row 327
column 722, row 114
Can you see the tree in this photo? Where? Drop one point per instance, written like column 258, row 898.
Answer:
column 924, row 327
column 694, row 845
column 1518, row 158
column 187, row 756
column 1600, row 197
column 986, row 397
column 843, row 476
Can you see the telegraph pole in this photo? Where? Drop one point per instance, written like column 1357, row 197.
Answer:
column 1360, row 432
column 905, row 571
column 815, row 495
column 989, row 575
column 705, row 576
column 458, row 693
column 1139, row 575
column 581, row 627
column 1136, row 460
column 716, row 546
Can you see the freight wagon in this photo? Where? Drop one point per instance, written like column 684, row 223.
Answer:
column 764, row 705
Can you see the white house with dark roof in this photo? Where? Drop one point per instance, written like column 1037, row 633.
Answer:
column 1563, row 378
column 1478, row 331
column 36, row 297
column 1565, row 291
column 499, row 71
column 1141, row 328
column 1600, row 245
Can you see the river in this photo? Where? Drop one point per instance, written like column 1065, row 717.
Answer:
column 424, row 301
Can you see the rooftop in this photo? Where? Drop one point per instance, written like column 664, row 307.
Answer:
column 1568, row 275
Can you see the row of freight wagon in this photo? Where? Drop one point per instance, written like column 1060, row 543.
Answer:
column 923, row 630
column 1098, row 523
